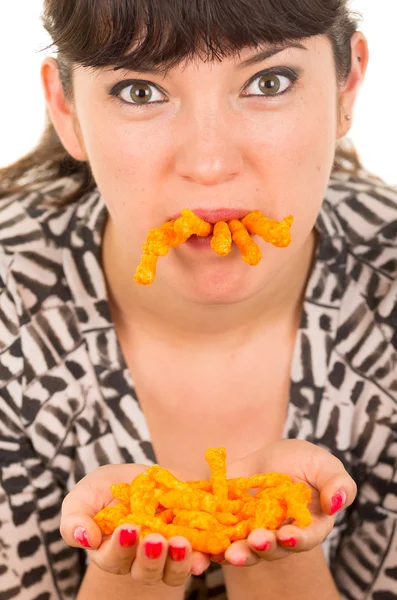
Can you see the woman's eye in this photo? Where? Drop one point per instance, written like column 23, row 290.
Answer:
column 270, row 84
column 138, row 92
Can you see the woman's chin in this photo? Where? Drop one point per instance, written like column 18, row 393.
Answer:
column 221, row 281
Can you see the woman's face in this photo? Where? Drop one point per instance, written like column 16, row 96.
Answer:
column 213, row 136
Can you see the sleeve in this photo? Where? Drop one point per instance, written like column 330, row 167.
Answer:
column 366, row 561
column 35, row 562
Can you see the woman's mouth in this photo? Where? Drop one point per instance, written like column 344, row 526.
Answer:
column 220, row 214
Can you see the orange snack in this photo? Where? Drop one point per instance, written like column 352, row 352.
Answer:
column 198, row 520
column 210, row 514
column 110, row 517
column 175, row 232
column 190, row 224
column 121, row 491
column 249, row 249
column 194, row 500
column 146, row 270
column 221, row 241
column 216, row 458
column 274, row 232
column 167, row 480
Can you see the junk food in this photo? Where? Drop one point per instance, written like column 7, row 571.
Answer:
column 175, row 232
column 211, row 514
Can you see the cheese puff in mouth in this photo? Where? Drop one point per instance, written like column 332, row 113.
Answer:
column 175, row 232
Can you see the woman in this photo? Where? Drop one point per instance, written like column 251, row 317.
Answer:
column 223, row 108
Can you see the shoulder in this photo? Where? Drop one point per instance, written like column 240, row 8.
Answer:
column 362, row 209
column 37, row 231
column 40, row 219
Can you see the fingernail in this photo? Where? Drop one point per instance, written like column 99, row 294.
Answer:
column 289, row 542
column 337, row 501
column 127, row 537
column 177, row 553
column 80, row 535
column 262, row 547
column 239, row 561
column 153, row 549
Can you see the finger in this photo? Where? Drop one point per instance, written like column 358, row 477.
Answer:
column 338, row 492
column 328, row 475
column 239, row 554
column 80, row 531
column 179, row 561
column 262, row 542
column 301, row 539
column 200, row 563
column 118, row 553
column 151, row 556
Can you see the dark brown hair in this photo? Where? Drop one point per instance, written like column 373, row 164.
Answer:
column 162, row 33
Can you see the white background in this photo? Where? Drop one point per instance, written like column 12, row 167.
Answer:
column 374, row 130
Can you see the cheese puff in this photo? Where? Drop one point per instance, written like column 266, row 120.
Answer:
column 175, row 238
column 157, row 241
column 226, row 519
column 110, row 517
column 230, row 506
column 167, row 515
column 274, row 232
column 203, row 541
column 121, row 491
column 194, row 500
column 146, row 270
column 222, row 239
column 262, row 480
column 240, row 531
column 167, row 480
column 249, row 249
column 139, row 487
column 190, row 224
column 197, row 519
column 269, row 513
column 203, row 485
column 216, row 459
column 295, row 498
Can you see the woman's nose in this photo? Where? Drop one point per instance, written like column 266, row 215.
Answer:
column 207, row 154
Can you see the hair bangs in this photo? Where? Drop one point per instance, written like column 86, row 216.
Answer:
column 140, row 35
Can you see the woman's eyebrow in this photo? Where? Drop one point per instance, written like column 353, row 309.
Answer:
column 267, row 53
column 259, row 57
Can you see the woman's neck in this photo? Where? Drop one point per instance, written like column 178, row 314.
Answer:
column 162, row 312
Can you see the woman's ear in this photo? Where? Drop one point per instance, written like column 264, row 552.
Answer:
column 349, row 92
column 61, row 111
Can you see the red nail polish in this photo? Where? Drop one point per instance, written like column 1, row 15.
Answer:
column 239, row 561
column 127, row 537
column 337, row 502
column 262, row 547
column 177, row 553
column 80, row 535
column 153, row 549
column 289, row 542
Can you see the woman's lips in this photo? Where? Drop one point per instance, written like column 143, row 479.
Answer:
column 220, row 214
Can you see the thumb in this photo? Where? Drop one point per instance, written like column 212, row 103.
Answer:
column 337, row 489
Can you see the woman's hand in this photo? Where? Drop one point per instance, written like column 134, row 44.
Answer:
column 150, row 561
column 332, row 489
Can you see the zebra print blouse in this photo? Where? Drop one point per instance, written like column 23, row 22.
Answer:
column 68, row 405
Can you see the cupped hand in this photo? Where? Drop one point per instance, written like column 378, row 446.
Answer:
column 148, row 561
column 332, row 489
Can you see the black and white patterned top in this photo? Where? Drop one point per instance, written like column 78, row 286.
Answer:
column 68, row 405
